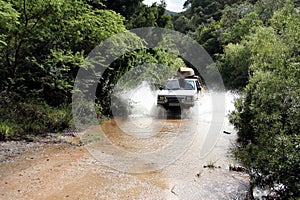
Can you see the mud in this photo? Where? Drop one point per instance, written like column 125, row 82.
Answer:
column 72, row 171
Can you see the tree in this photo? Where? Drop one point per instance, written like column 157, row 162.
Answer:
column 234, row 65
column 237, row 22
column 50, row 41
column 235, row 27
column 8, row 19
column 266, row 8
column 43, row 44
column 267, row 115
column 181, row 24
column 139, row 15
column 207, row 35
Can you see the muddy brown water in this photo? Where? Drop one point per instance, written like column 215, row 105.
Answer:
column 133, row 158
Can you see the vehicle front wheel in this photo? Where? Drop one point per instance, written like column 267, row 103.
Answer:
column 161, row 112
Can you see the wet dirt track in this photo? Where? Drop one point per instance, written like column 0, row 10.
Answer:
column 63, row 171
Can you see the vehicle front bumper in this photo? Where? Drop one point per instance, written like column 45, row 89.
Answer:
column 170, row 102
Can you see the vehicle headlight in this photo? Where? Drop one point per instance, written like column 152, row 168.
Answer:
column 189, row 98
column 161, row 98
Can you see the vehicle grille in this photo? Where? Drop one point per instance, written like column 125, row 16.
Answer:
column 174, row 99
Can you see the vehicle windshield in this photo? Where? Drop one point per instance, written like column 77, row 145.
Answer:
column 180, row 84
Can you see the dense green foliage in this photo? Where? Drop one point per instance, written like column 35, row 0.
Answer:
column 138, row 14
column 256, row 47
column 44, row 43
column 42, row 46
column 268, row 114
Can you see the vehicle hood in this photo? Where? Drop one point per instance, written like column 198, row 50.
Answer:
column 177, row 92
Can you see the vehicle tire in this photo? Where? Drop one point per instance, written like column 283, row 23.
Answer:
column 161, row 112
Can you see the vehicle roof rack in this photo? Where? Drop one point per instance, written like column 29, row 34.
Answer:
column 192, row 77
column 185, row 72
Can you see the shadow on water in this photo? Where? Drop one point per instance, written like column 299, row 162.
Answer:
column 171, row 114
column 174, row 114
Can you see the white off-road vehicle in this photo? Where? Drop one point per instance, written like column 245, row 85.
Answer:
column 180, row 92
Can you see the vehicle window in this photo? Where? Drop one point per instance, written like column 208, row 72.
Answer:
column 172, row 85
column 180, row 84
column 190, row 85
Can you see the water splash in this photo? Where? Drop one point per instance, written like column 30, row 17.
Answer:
column 141, row 100
column 139, row 104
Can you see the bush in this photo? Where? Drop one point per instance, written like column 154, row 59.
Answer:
column 267, row 116
column 268, row 120
column 20, row 119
